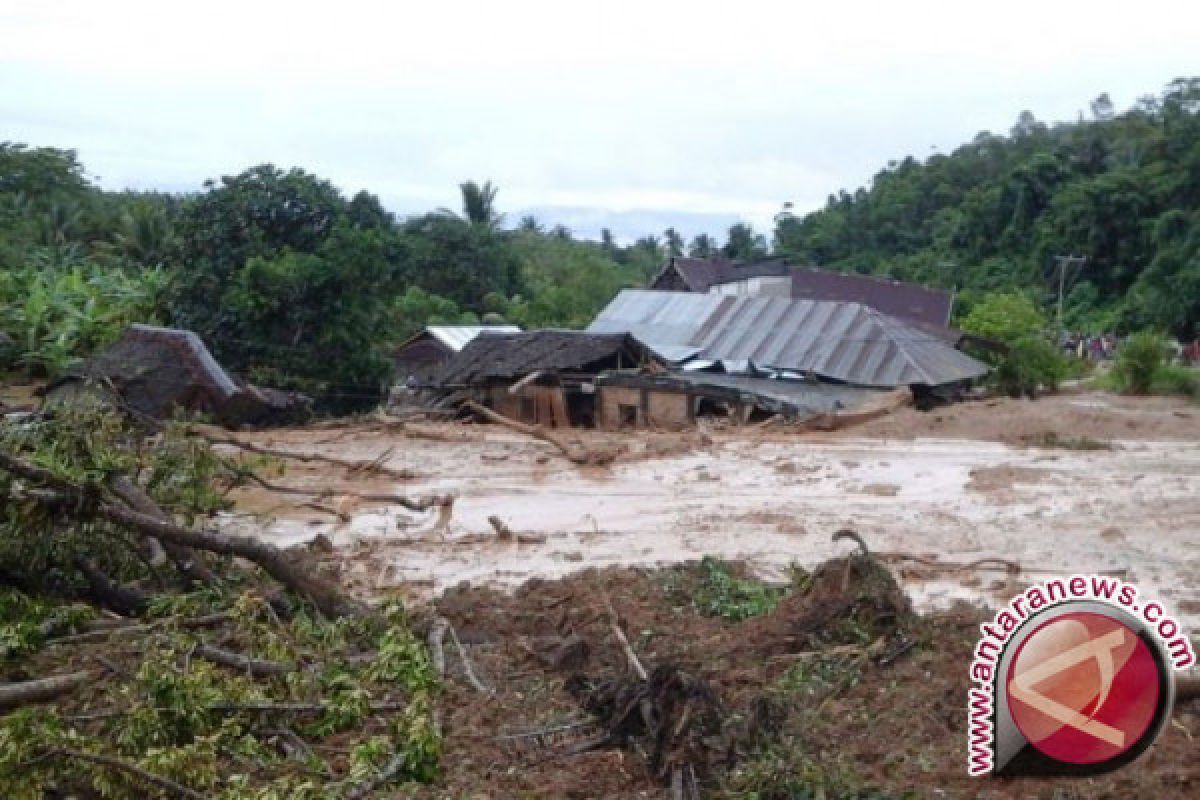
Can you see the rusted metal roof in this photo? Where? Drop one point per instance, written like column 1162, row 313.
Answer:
column 908, row 301
column 897, row 298
column 847, row 342
column 507, row 356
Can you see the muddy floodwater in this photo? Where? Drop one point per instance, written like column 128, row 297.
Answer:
column 1131, row 507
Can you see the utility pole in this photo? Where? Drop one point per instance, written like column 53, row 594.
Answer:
column 1063, row 264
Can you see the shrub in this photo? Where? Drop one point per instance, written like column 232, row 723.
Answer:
column 1030, row 361
column 1174, row 379
column 1140, row 358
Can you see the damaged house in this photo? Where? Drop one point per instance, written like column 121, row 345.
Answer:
column 663, row 359
column 800, row 358
column 545, row 377
column 154, row 372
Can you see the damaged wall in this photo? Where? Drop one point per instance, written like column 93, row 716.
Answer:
column 619, row 406
column 535, row 405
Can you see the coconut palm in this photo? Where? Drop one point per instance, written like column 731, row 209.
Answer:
column 478, row 205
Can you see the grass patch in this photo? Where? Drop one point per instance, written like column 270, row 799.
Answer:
column 720, row 592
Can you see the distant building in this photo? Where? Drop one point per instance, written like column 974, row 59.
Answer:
column 777, row 278
column 421, row 355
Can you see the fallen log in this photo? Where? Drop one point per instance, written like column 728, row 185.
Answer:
column 507, row 534
column 423, row 503
column 573, row 454
column 107, row 593
column 353, row 466
column 14, row 695
column 86, row 500
column 254, row 667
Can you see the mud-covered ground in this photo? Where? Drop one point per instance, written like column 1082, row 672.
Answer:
column 1089, row 482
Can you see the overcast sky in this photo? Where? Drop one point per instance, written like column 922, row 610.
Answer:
column 632, row 114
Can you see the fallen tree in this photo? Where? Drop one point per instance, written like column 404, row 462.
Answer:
column 84, row 502
column 232, row 660
column 572, row 451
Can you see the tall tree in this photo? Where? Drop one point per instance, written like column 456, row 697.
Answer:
column 479, row 204
column 703, row 246
column 673, row 242
column 744, row 244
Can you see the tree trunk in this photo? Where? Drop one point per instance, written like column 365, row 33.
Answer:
column 14, row 695
column 186, row 559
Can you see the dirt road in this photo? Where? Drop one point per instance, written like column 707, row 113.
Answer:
column 1127, row 501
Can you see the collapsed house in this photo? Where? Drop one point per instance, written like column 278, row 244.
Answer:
column 419, row 357
column 154, row 372
column 545, row 377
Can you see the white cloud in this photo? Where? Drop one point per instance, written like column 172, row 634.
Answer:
column 697, row 107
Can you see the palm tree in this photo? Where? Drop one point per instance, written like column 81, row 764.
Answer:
column 478, row 205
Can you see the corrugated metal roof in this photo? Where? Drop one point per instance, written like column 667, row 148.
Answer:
column 847, row 342
column 456, row 336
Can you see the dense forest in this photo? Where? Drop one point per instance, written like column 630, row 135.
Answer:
column 1121, row 189
column 295, row 284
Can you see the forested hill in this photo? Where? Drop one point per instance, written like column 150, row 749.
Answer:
column 1122, row 189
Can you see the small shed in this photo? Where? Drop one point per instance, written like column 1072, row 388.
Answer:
column 419, row 357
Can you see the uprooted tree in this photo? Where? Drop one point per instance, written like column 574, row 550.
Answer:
column 183, row 661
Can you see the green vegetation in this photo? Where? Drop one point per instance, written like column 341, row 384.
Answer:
column 156, row 699
column 1142, row 367
column 1141, row 357
column 292, row 282
column 1030, row 361
column 287, row 280
column 720, row 593
column 1122, row 189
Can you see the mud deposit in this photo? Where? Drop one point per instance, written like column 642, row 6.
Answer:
column 769, row 500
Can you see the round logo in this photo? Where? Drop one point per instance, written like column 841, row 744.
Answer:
column 1084, row 688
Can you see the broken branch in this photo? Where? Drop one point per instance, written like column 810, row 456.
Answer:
column 615, row 623
column 166, row 784
column 352, row 466
column 257, row 668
